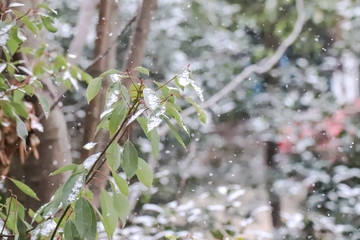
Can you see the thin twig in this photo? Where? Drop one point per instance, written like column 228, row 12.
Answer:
column 100, row 56
column 59, row 222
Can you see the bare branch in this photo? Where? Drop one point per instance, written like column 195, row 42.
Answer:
column 262, row 67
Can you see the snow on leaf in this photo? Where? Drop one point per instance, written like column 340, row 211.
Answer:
column 72, row 188
column 136, row 115
column 184, row 78
column 155, row 118
column 89, row 162
column 113, row 98
column 152, row 100
column 43, row 230
column 16, row 4
column 90, row 145
column 106, row 112
column 197, row 90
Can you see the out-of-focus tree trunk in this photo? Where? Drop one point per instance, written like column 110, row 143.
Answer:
column 105, row 34
column 54, row 152
column 138, row 39
column 54, row 148
column 133, row 59
column 271, row 172
column 86, row 12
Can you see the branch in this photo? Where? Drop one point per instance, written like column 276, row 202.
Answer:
column 262, row 67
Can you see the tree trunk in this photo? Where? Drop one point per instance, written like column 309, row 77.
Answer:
column 271, row 172
column 106, row 29
column 138, row 39
column 78, row 43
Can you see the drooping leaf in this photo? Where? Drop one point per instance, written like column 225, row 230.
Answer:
column 173, row 112
column 144, row 173
column 197, row 89
column 129, row 159
column 29, row 24
column 199, row 110
column 21, row 129
column 48, row 23
column 121, row 184
column 69, row 167
column 25, row 189
column 175, row 133
column 70, row 231
column 142, row 70
column 46, row 7
column 85, row 220
column 153, row 136
column 113, row 154
column 116, row 118
column 44, row 104
column 20, row 229
column 109, row 215
column 121, row 206
column 93, row 88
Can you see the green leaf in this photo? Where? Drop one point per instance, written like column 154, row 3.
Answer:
column 142, row 70
column 135, row 91
column 44, row 104
column 46, row 7
column 109, row 72
column 113, row 154
column 20, row 109
column 85, row 220
column 171, row 111
column 29, row 90
column 153, row 136
column 20, row 229
column 110, row 218
column 129, row 159
column 121, row 206
column 48, row 21
column 21, row 129
column 29, row 24
column 175, row 133
column 69, row 167
column 37, row 218
column 217, row 234
column 70, row 231
column 93, row 88
column 154, row 139
column 72, row 188
column 121, row 184
column 144, row 173
column 7, row 109
column 199, row 110
column 116, row 118
column 25, row 189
